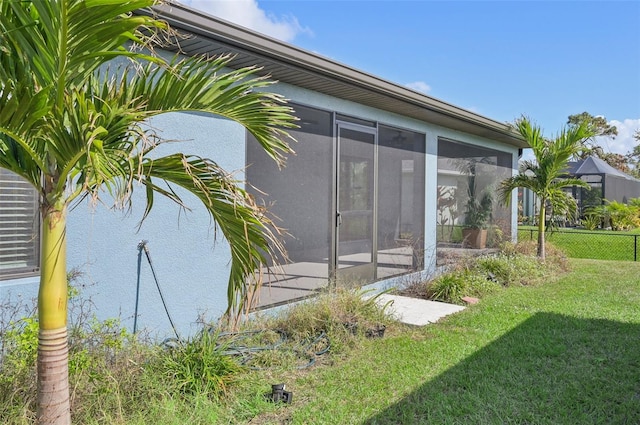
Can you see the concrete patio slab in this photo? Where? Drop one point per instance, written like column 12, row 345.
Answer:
column 415, row 311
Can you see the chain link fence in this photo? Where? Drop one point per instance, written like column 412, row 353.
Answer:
column 584, row 244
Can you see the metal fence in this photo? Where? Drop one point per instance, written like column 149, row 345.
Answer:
column 603, row 245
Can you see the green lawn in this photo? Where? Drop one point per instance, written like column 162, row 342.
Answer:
column 565, row 352
column 601, row 245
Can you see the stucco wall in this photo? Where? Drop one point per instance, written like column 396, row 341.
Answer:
column 191, row 266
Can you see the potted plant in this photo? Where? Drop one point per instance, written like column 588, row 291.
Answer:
column 478, row 211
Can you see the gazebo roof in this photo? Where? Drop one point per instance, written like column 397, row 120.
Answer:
column 594, row 165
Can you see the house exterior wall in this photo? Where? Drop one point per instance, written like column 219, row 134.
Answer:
column 192, row 267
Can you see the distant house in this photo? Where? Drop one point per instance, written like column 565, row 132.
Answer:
column 359, row 199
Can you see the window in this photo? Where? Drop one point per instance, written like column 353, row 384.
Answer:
column 19, row 227
column 465, row 173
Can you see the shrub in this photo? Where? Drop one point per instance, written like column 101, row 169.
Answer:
column 591, row 221
column 622, row 216
column 200, row 366
column 342, row 314
column 17, row 369
column 453, row 286
column 100, row 367
column 516, row 264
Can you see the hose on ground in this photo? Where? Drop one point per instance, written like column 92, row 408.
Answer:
column 247, row 346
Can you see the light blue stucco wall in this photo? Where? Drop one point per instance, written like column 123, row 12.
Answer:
column 191, row 261
column 191, row 265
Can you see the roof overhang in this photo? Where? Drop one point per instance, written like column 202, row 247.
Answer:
column 208, row 35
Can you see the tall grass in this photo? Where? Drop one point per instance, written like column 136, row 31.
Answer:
column 117, row 378
column 198, row 366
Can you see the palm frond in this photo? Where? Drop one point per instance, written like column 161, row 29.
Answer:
column 527, row 165
column 250, row 233
column 562, row 204
column 567, row 182
column 14, row 157
column 62, row 42
column 507, row 186
column 197, row 84
column 532, row 134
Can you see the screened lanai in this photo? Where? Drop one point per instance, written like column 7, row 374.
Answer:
column 350, row 203
column 467, row 173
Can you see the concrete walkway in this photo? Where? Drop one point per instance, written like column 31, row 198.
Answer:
column 415, row 311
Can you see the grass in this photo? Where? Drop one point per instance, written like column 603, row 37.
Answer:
column 561, row 353
column 598, row 244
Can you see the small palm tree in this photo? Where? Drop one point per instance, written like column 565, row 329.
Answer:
column 547, row 176
column 75, row 129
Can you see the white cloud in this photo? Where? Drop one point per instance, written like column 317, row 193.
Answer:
column 624, row 141
column 249, row 14
column 420, row 86
column 473, row 109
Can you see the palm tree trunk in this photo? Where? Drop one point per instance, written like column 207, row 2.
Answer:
column 53, row 346
column 541, row 225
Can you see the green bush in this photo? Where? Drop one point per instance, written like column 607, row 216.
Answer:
column 100, row 367
column 591, row 221
column 621, row 216
column 453, row 286
column 450, row 287
column 17, row 370
column 512, row 269
column 480, row 276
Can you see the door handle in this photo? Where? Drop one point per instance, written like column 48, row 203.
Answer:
column 338, row 218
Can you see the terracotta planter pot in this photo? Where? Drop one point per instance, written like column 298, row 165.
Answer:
column 474, row 238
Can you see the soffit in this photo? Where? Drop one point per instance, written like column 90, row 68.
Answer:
column 208, row 35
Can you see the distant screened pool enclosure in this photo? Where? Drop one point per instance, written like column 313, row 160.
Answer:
column 468, row 179
column 351, row 200
column 605, row 183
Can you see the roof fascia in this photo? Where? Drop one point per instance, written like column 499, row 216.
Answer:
column 193, row 21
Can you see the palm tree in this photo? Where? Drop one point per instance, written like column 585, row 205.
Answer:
column 547, row 176
column 75, row 128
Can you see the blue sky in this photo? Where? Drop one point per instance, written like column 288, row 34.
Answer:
column 501, row 59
